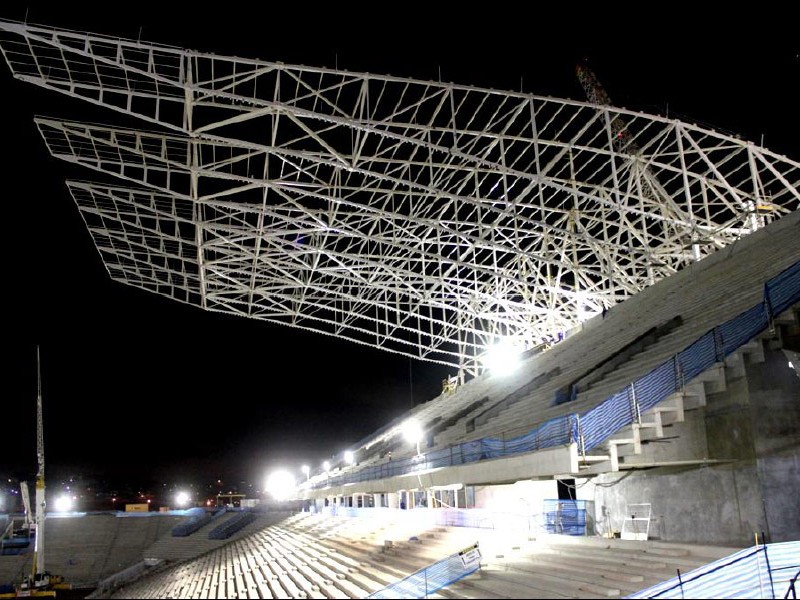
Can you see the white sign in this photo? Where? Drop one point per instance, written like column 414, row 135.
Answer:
column 470, row 557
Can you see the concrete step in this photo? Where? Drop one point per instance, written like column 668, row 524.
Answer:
column 713, row 378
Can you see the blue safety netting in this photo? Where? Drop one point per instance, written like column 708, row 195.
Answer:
column 430, row 579
column 593, row 427
column 763, row 571
column 565, row 517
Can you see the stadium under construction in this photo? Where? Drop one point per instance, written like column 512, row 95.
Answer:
column 643, row 273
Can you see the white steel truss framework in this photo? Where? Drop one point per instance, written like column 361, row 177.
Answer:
column 424, row 218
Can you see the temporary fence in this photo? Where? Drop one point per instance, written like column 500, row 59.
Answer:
column 434, row 577
column 763, row 571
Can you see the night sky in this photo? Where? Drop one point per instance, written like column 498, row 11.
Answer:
column 139, row 386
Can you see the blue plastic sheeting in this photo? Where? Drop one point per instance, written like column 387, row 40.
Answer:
column 596, row 425
column 698, row 357
column 739, row 330
column 428, row 580
column 783, row 290
column 197, row 519
column 757, row 572
column 567, row 517
column 228, row 528
column 657, row 385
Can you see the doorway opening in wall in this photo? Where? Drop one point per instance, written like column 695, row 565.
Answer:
column 566, row 489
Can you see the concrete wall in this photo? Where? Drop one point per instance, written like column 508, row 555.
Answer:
column 774, row 394
column 754, row 427
column 719, row 504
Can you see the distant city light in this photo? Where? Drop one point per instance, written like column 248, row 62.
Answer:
column 64, row 503
column 182, row 499
column 349, row 457
column 503, row 358
column 280, row 485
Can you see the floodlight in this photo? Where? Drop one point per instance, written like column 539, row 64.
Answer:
column 306, row 471
column 64, row 503
column 412, row 431
column 280, row 485
column 326, row 466
column 503, row 358
column 349, row 457
column 182, row 498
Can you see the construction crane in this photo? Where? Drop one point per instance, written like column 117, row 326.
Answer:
column 596, row 94
column 38, row 572
column 624, row 142
column 39, row 583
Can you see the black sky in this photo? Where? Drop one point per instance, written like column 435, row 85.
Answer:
column 137, row 385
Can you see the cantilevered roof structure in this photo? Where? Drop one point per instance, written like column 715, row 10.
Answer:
column 424, row 218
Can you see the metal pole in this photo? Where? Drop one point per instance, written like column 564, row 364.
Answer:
column 769, row 569
column 758, row 568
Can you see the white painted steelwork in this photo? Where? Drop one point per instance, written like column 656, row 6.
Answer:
column 424, row 218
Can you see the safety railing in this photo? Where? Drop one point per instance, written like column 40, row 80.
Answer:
column 434, row 577
column 763, row 571
column 593, row 427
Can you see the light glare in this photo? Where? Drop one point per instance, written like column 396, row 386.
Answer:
column 182, row 498
column 63, row 504
column 280, row 485
column 412, row 431
column 503, row 358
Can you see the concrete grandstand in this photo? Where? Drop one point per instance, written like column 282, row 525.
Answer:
column 652, row 425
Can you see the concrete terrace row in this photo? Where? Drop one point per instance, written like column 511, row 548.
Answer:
column 702, row 296
column 310, row 556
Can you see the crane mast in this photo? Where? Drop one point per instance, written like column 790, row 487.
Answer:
column 597, row 94
column 624, row 142
column 38, row 553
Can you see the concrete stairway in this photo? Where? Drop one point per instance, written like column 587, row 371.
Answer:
column 664, row 428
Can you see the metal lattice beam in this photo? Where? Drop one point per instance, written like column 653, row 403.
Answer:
column 418, row 217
